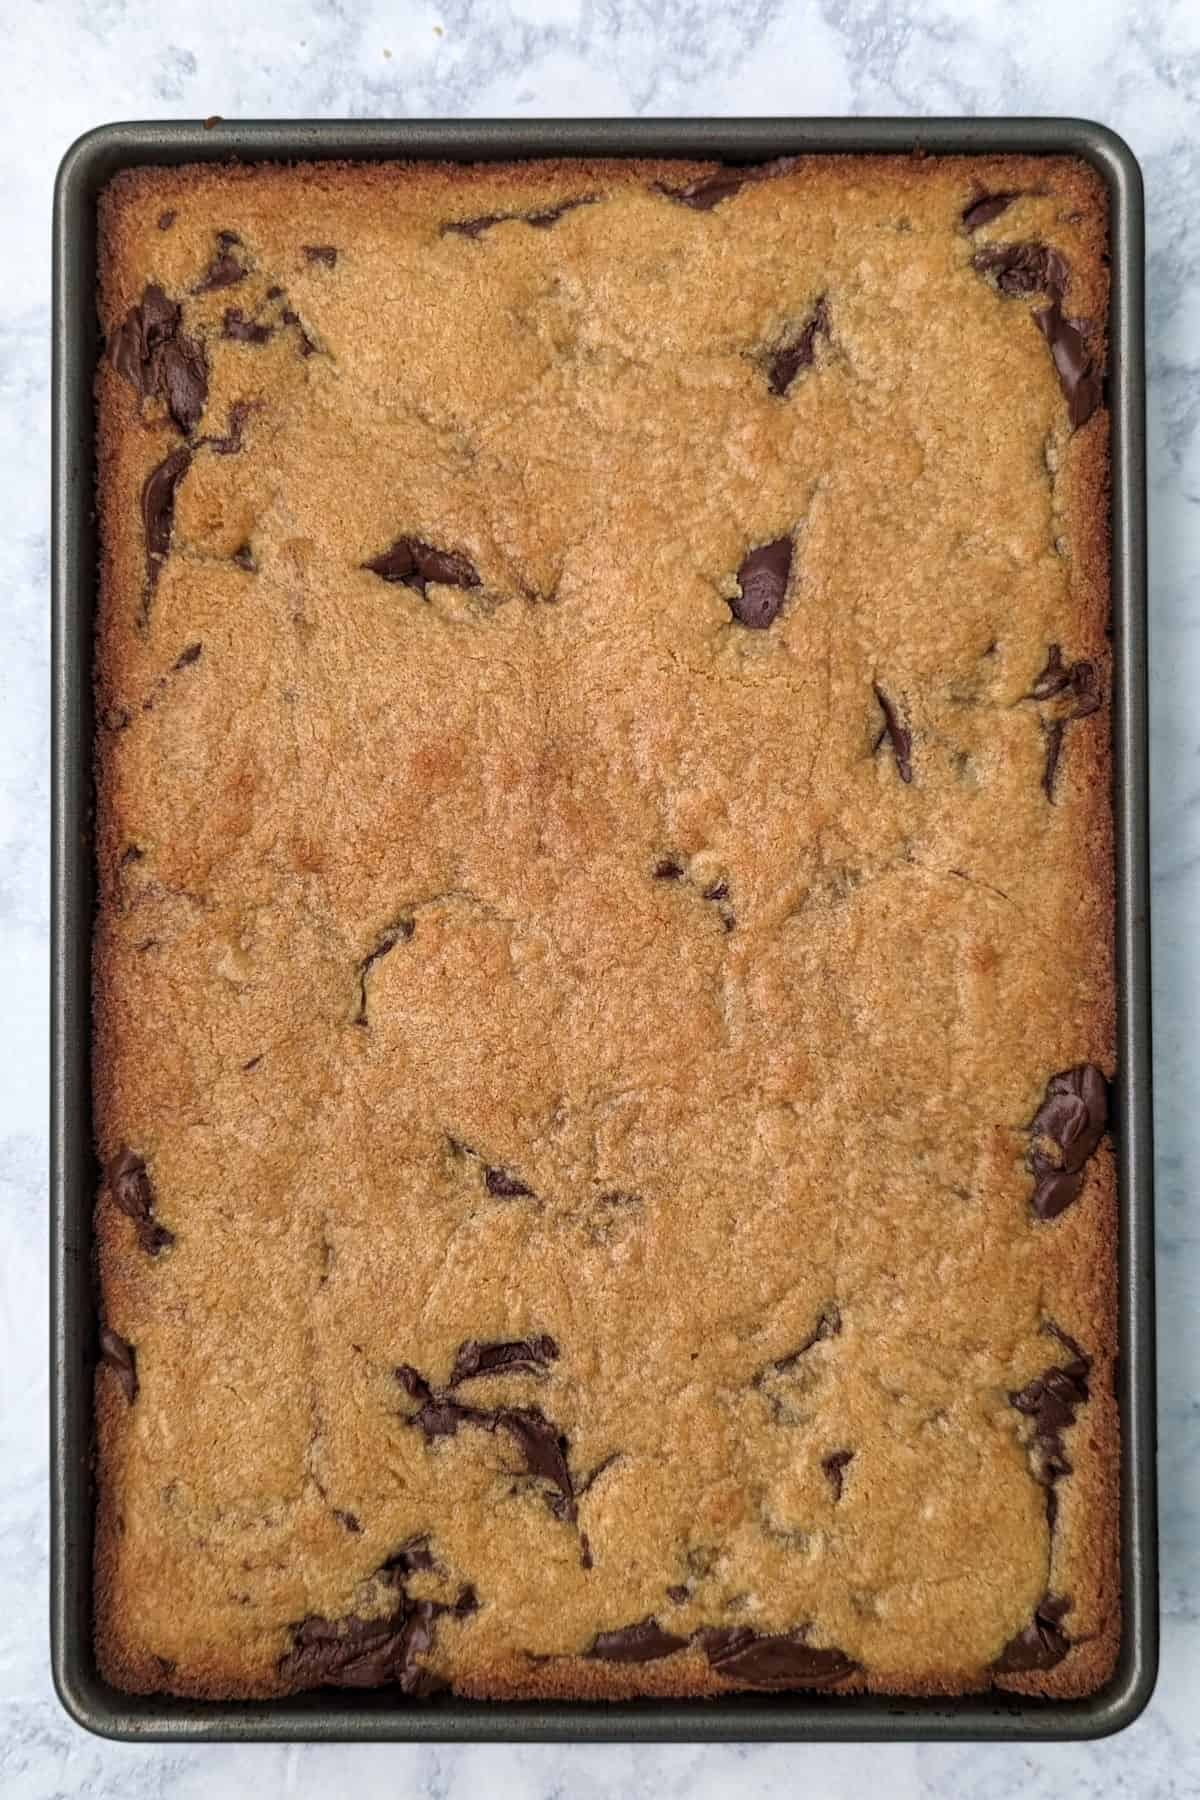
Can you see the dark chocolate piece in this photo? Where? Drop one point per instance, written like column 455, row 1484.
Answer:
column 415, row 563
column 899, row 735
column 144, row 330
column 645, row 1642
column 523, row 1356
column 243, row 556
column 1041, row 1644
column 679, row 1594
column 356, row 1652
column 243, row 330
column 985, row 209
column 798, row 352
column 347, row 1519
column 166, row 219
column 833, row 1465
column 183, row 382
column 1053, row 678
column 1065, row 1132
column 149, row 353
column 1077, row 373
column 763, row 579
column 504, row 1185
column 129, row 1184
column 1051, row 1400
column 187, row 657
column 225, row 269
column 544, row 1448
column 158, row 509
column 667, row 869
column 121, row 1359
column 321, row 253
column 542, row 218
column 724, row 182
column 718, row 891
column 307, row 347
column 782, row 1660
column 1023, row 268
column 413, row 1554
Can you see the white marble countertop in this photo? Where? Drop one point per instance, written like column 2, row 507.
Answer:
column 75, row 63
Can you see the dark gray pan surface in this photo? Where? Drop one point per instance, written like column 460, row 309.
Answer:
column 378, row 1715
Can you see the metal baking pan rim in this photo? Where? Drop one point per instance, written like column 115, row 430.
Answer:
column 89, row 163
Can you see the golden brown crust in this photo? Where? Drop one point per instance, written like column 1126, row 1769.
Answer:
column 385, row 906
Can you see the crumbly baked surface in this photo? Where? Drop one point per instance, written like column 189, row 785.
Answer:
column 603, row 971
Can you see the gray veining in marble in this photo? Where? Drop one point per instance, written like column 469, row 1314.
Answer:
column 74, row 63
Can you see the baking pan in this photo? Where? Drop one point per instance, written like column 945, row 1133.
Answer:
column 87, row 166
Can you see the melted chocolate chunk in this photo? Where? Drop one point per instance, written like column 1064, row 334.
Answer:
column 1051, row 1401
column 183, row 382
column 415, row 563
column 504, row 1185
column 667, row 869
column 144, row 330
column 763, row 579
column 544, row 1448
column 645, row 1642
column 1042, row 1643
column 1053, row 678
column 542, row 219
column 243, row 330
column 780, row 1661
column 129, row 1184
column 1037, row 269
column 158, row 509
column 321, row 253
column 1065, row 1132
column 412, row 1555
column 985, row 209
column 356, row 1652
column 225, row 268
column 833, row 1465
column 149, row 353
column 307, row 347
column 1077, row 373
column 798, row 352
column 413, row 1382
column 899, row 735
column 121, row 1359
column 1022, row 268
column 708, row 191
column 523, row 1356
column 723, row 183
